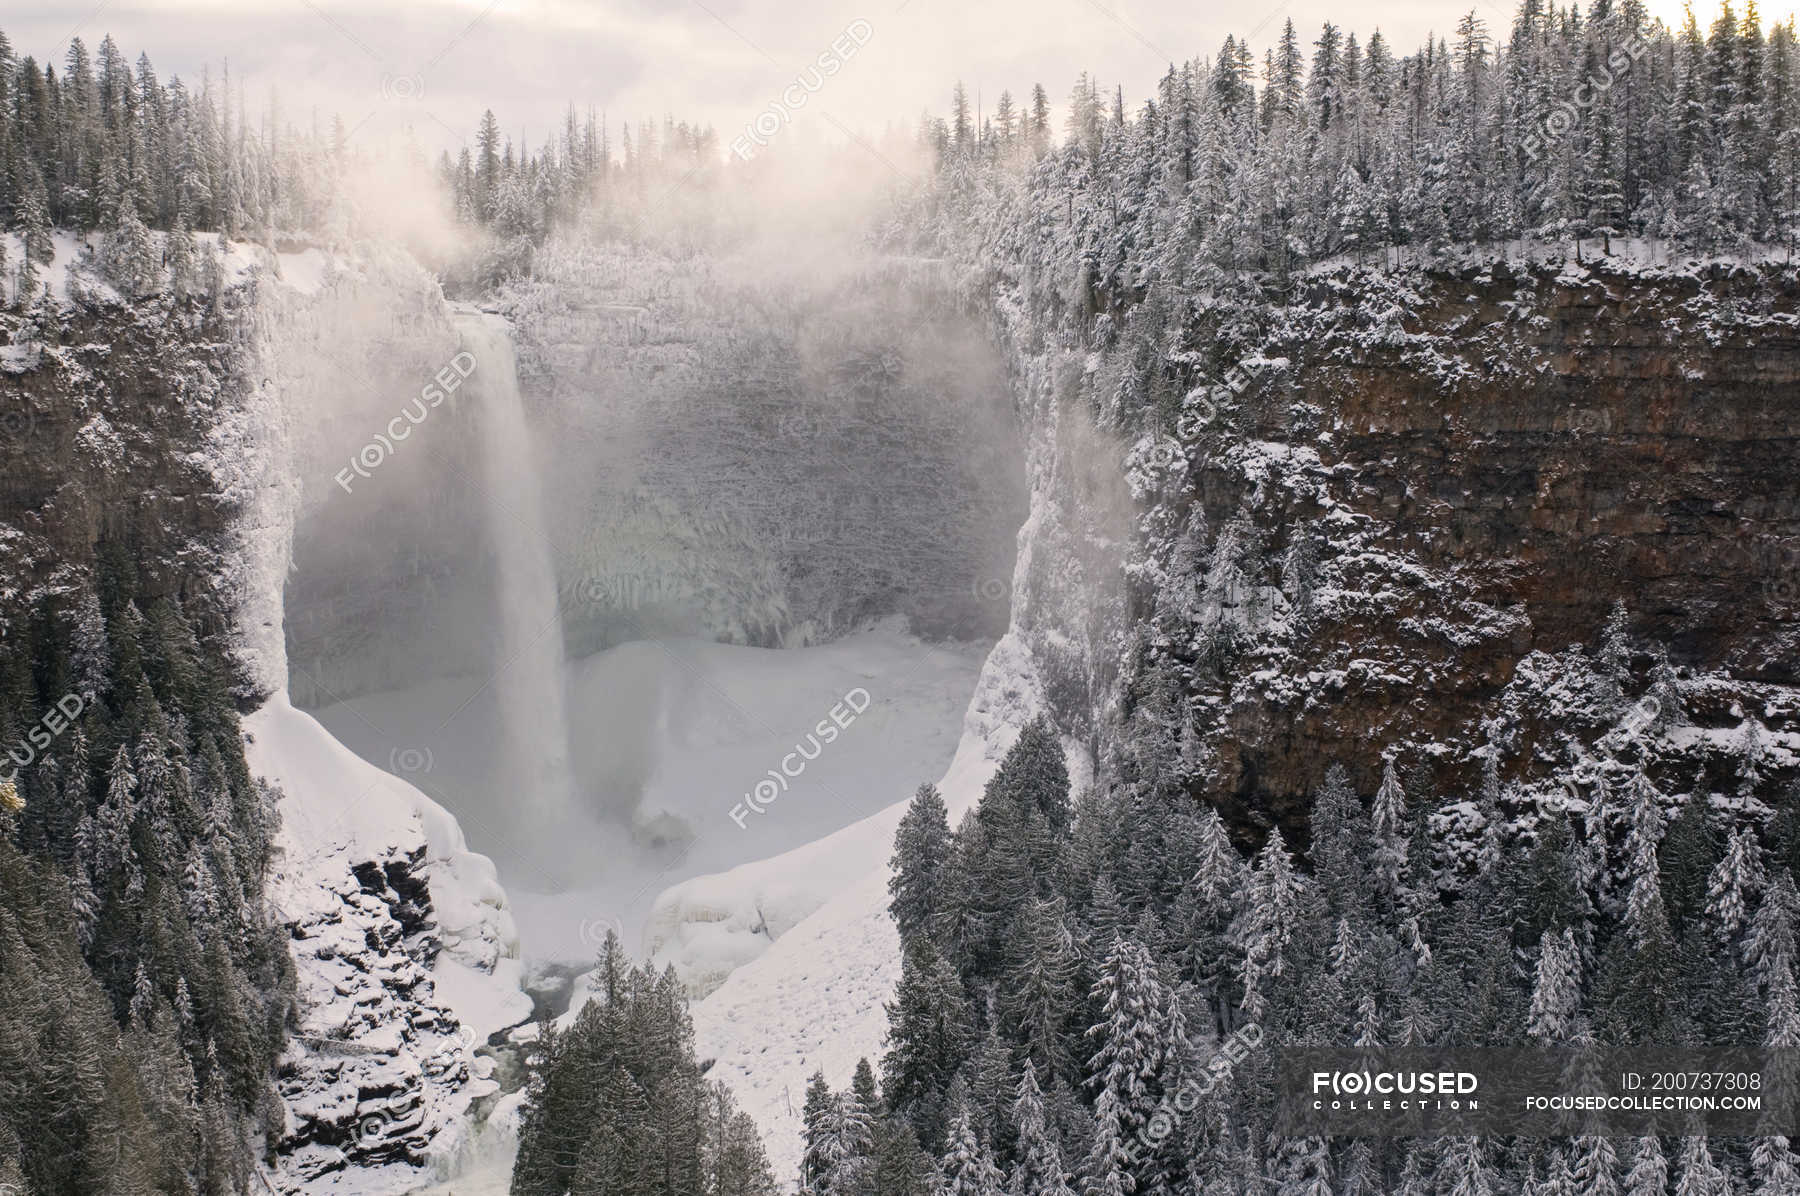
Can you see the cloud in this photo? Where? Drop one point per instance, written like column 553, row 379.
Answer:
column 431, row 66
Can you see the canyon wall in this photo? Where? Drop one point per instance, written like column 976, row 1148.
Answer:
column 731, row 450
column 1398, row 524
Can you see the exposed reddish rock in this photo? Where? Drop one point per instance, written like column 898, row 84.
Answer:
column 1486, row 476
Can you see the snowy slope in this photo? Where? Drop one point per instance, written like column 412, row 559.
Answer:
column 396, row 991
column 815, row 997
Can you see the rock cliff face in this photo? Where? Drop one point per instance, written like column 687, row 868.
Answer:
column 1424, row 490
column 178, row 429
column 1585, row 438
column 762, row 452
column 407, row 967
column 115, row 426
column 730, row 451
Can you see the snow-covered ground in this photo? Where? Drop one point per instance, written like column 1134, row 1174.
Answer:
column 669, row 738
column 387, row 1006
column 816, row 997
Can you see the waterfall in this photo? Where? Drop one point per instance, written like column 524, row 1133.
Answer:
column 527, row 668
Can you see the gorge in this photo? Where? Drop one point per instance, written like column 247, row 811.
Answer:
column 874, row 666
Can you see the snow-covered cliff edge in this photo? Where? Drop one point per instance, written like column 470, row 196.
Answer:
column 406, row 957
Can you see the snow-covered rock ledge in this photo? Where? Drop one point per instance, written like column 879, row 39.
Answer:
column 406, row 961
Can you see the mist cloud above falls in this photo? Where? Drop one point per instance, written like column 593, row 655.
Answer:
column 426, row 71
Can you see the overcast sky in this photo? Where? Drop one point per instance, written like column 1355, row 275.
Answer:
column 433, row 65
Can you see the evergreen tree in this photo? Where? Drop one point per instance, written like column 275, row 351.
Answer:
column 921, row 851
column 1040, row 995
column 617, row 1103
column 1649, row 1174
column 1039, row 1170
column 929, row 1039
column 1267, row 922
column 1698, row 1174
column 1556, row 995
column 1734, row 882
column 1342, row 843
column 1034, row 776
column 1388, row 858
column 968, row 1166
column 1464, row 1171
column 1140, row 1045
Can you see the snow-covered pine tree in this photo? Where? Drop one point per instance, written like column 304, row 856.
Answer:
column 1388, row 827
column 1556, row 995
column 1267, row 922
column 921, row 850
column 1649, row 1174
column 1596, row 1166
column 1733, row 884
column 930, row 1034
column 968, row 1165
column 1697, row 1173
column 1341, row 846
column 1140, row 1045
column 1039, row 1169
column 1040, row 996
